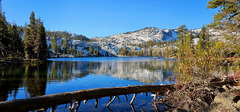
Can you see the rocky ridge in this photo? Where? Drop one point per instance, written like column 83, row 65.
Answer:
column 141, row 36
column 132, row 41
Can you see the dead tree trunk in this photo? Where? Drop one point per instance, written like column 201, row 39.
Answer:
column 63, row 98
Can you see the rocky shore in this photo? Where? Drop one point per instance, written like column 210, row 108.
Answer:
column 200, row 97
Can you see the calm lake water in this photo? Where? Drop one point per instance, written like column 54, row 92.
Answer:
column 72, row 74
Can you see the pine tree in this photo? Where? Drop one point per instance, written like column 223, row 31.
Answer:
column 228, row 15
column 90, row 49
column 97, row 51
column 187, row 50
column 75, row 50
column 35, row 39
column 203, row 42
column 33, row 34
column 200, row 46
column 65, row 43
column 167, row 51
column 227, row 19
column 28, row 43
column 4, row 37
column 16, row 46
column 150, row 52
column 182, row 32
column 43, row 51
column 123, row 51
column 71, row 51
column 54, row 45
column 30, row 34
column 188, row 41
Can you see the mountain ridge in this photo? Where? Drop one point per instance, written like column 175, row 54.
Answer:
column 149, row 41
column 142, row 35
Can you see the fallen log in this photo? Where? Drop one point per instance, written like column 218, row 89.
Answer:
column 63, row 98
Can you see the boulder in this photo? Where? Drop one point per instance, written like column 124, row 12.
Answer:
column 227, row 101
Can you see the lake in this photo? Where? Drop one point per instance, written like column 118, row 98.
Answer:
column 72, row 74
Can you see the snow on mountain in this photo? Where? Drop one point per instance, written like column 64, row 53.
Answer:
column 140, row 36
column 131, row 40
column 111, row 45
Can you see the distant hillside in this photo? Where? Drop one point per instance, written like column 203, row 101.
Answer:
column 68, row 34
column 149, row 41
column 141, row 36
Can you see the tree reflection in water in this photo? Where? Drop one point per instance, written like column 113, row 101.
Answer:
column 32, row 80
column 31, row 77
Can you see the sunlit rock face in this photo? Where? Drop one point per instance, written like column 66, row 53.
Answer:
column 130, row 40
column 141, row 36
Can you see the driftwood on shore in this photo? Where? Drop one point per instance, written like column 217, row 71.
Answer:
column 71, row 97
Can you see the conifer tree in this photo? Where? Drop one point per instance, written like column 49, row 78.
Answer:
column 75, row 50
column 28, row 43
column 43, row 50
column 33, row 34
column 203, row 42
column 90, row 49
column 65, row 43
column 123, row 51
column 4, row 37
column 150, row 52
column 167, row 51
column 97, row 51
column 199, row 46
column 35, row 39
column 54, row 44
column 71, row 51
column 228, row 15
column 182, row 32
column 16, row 46
column 228, row 20
column 188, row 41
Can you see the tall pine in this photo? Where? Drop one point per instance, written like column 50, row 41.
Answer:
column 228, row 15
column 182, row 32
column 228, row 20
column 4, row 37
column 35, row 39
column 65, row 43
column 43, row 50
column 16, row 46
column 28, row 43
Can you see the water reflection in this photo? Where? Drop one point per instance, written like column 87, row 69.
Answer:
column 23, row 81
column 32, row 78
column 62, row 71
column 148, row 72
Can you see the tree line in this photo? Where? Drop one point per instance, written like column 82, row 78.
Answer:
column 62, row 43
column 11, row 44
column 32, row 46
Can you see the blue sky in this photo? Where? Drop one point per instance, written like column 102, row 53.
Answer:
column 98, row 18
